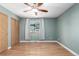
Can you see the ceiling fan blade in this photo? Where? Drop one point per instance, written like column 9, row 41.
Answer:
column 28, row 4
column 39, row 4
column 27, row 10
column 34, row 3
column 43, row 10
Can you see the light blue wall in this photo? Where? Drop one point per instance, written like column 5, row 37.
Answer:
column 68, row 28
column 22, row 29
column 9, row 14
column 50, row 29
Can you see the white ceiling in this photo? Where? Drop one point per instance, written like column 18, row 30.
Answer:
column 54, row 9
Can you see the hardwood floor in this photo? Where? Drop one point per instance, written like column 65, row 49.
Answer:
column 37, row 49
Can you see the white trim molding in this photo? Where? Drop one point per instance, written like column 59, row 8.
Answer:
column 74, row 53
column 38, row 41
column 9, row 47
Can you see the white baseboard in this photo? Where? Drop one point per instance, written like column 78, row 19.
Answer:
column 38, row 41
column 9, row 47
column 74, row 53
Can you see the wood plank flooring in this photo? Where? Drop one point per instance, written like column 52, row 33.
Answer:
column 37, row 49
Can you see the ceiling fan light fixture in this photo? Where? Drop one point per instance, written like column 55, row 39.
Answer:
column 34, row 10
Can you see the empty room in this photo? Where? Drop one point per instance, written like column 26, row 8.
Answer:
column 39, row 29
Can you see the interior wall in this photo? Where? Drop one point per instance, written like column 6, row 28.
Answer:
column 68, row 28
column 9, row 14
column 49, row 25
column 50, row 29
column 22, row 29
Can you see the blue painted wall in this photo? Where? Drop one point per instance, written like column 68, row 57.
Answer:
column 68, row 28
column 50, row 29
column 49, row 25
column 22, row 29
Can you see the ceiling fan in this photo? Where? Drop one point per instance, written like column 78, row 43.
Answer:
column 36, row 7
